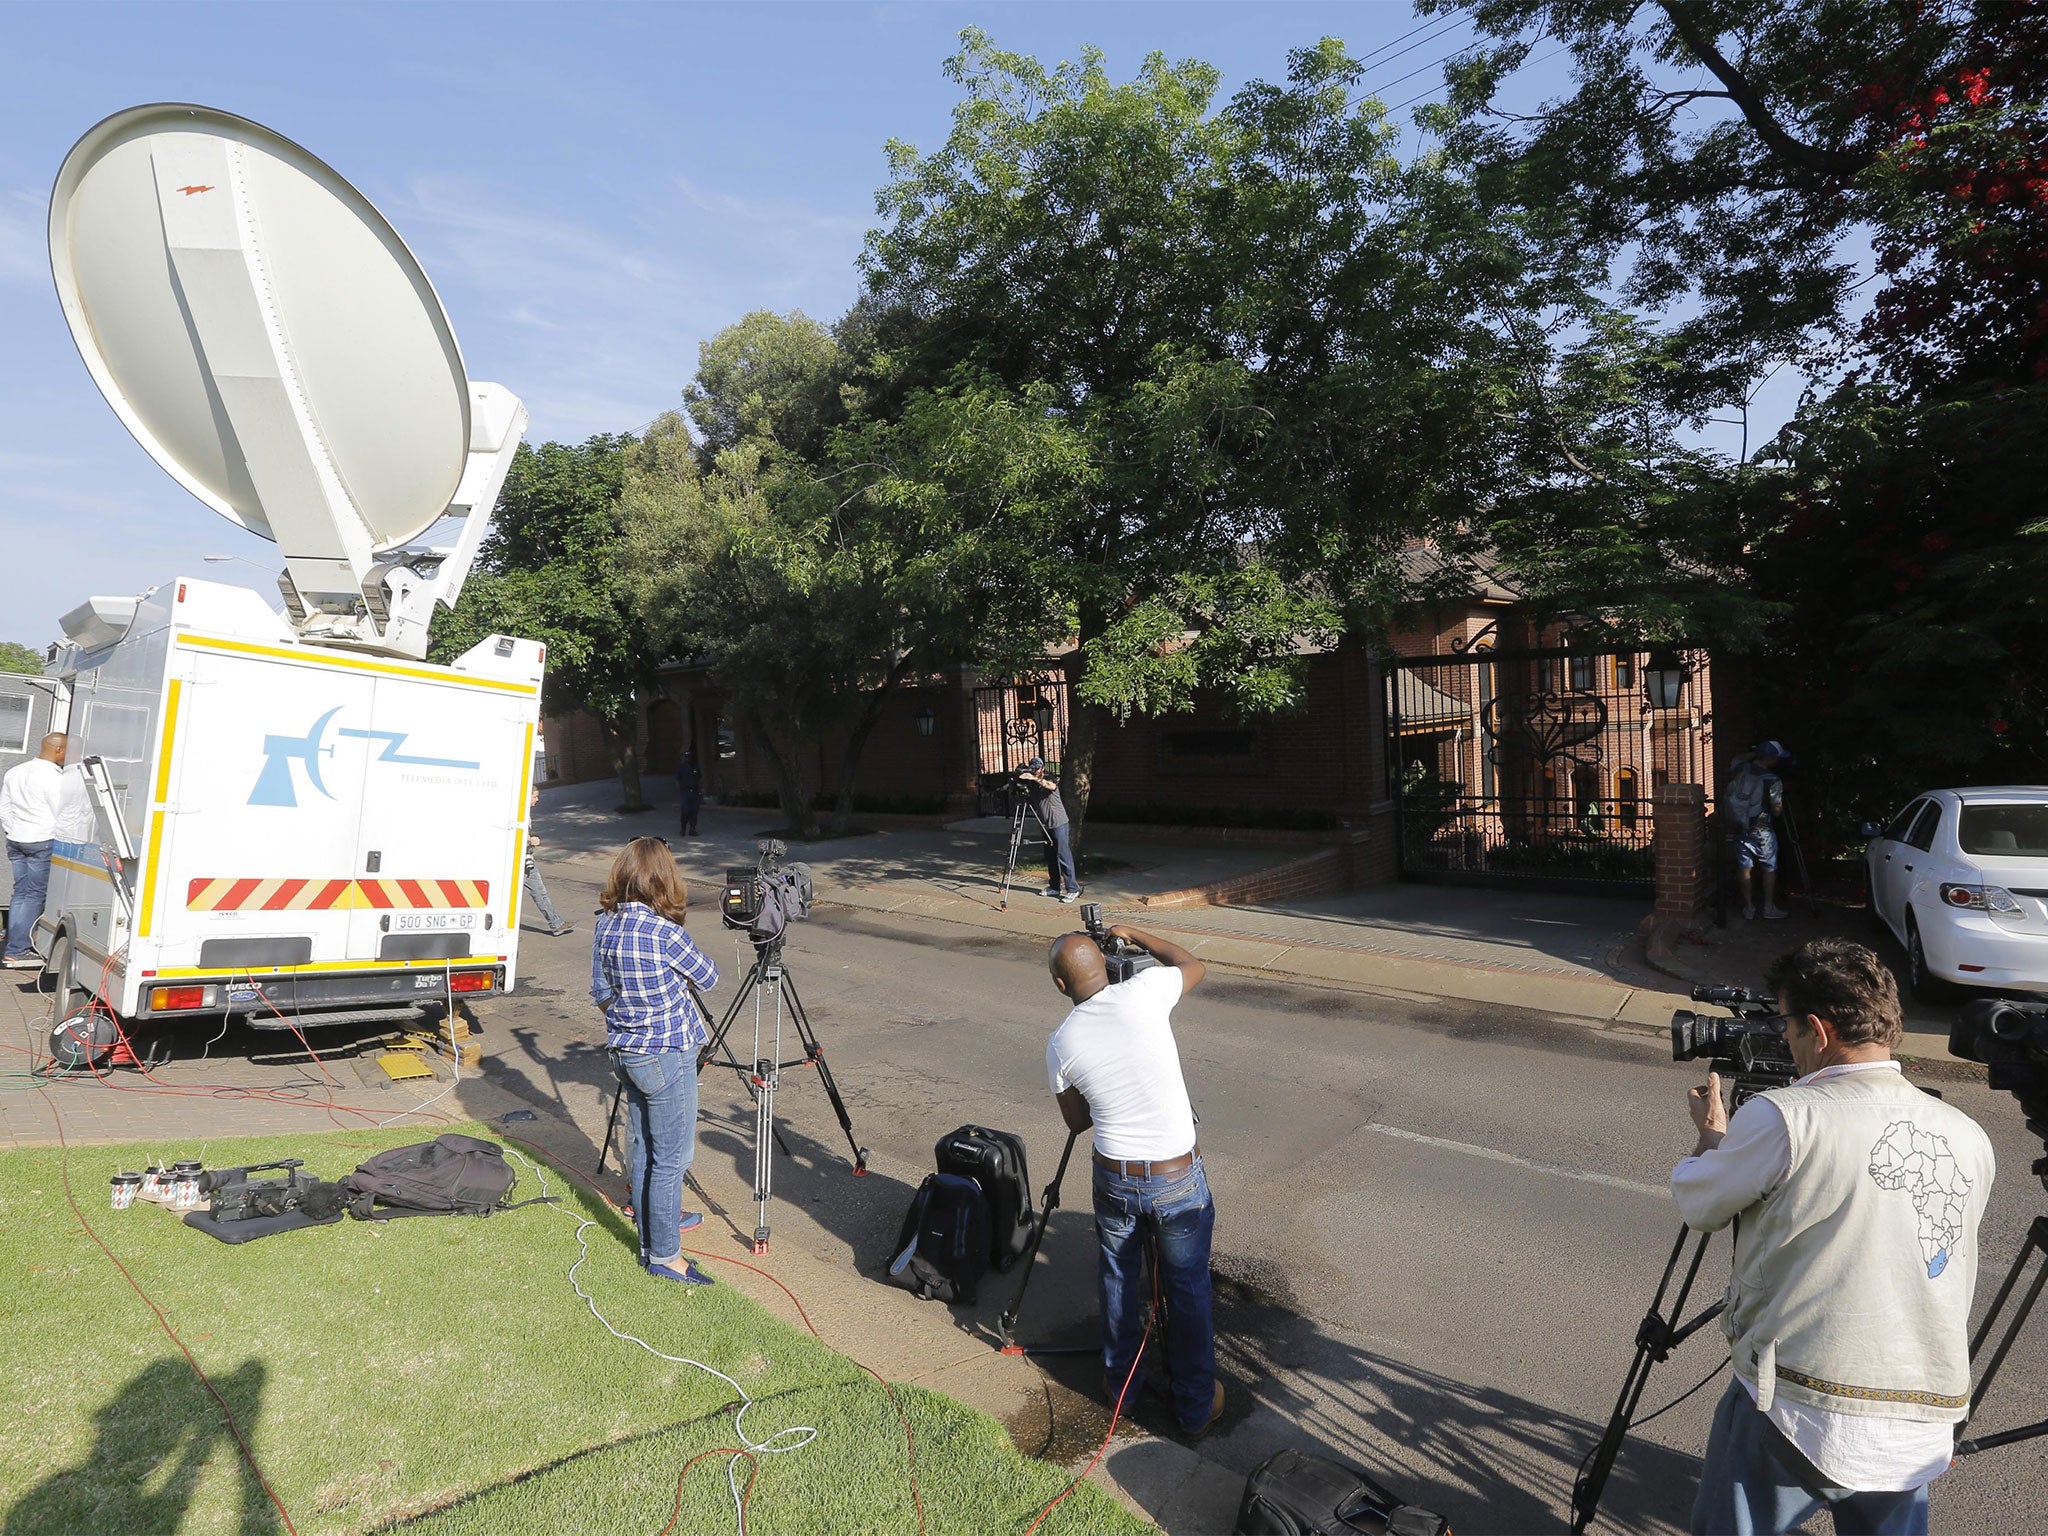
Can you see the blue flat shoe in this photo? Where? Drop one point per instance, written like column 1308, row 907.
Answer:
column 690, row 1219
column 689, row 1274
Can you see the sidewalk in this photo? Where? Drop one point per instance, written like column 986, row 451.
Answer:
column 1571, row 956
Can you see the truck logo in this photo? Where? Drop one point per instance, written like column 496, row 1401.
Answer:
column 275, row 786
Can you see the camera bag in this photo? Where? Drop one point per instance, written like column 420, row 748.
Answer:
column 452, row 1175
column 995, row 1161
column 1295, row 1494
column 942, row 1248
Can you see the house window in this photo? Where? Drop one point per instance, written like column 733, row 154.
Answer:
column 13, row 724
column 1625, row 788
column 1484, row 742
column 1625, row 673
column 1584, row 673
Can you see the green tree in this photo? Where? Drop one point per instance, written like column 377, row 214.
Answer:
column 550, row 571
column 1275, row 345
column 16, row 657
column 1880, row 562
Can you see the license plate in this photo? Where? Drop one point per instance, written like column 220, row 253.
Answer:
column 432, row 922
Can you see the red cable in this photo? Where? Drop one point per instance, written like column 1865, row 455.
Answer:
column 723, row 1450
column 64, row 1170
column 1114, row 1414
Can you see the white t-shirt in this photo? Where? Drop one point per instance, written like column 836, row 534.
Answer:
column 1118, row 1049
column 31, row 801
column 1860, row 1451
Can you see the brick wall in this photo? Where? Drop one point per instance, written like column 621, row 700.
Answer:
column 1681, row 851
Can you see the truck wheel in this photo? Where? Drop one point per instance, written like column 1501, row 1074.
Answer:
column 56, row 980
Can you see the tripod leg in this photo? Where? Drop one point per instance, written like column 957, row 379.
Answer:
column 1653, row 1342
column 1010, row 866
column 814, row 1053
column 2037, row 1242
column 611, row 1125
column 1007, row 1323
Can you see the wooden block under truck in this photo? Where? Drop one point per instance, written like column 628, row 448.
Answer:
column 286, row 814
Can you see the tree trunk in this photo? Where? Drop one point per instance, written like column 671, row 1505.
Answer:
column 790, row 790
column 622, row 746
column 856, row 743
column 1077, row 769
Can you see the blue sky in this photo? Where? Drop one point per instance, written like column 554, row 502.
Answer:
column 593, row 190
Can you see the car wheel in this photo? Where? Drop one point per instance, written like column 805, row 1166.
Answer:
column 1927, row 987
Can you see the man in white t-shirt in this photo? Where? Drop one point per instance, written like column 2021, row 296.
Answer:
column 31, row 805
column 1114, row 1065
column 1857, row 1199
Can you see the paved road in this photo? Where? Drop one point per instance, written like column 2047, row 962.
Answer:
column 1438, row 1224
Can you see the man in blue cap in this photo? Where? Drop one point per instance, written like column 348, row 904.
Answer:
column 1751, row 800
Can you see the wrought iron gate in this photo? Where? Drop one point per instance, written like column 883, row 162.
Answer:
column 1535, row 768
column 1014, row 722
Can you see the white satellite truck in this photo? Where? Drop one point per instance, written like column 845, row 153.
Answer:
column 291, row 816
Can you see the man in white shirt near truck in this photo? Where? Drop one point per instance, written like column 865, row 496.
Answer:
column 1114, row 1064
column 32, row 797
column 1856, row 1199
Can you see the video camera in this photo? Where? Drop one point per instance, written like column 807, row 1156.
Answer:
column 1120, row 957
column 237, row 1197
column 764, row 900
column 2011, row 1038
column 1746, row 1045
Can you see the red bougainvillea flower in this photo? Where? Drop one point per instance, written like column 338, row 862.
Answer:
column 2000, row 727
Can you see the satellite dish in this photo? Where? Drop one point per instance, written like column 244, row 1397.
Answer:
column 264, row 333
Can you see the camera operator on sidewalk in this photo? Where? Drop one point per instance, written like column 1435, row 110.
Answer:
column 1856, row 1199
column 1114, row 1064
column 1060, row 879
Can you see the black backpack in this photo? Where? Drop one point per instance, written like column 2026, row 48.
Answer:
column 942, row 1250
column 1293, row 1494
column 995, row 1161
column 452, row 1175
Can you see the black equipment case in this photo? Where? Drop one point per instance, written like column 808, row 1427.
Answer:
column 1294, row 1494
column 995, row 1161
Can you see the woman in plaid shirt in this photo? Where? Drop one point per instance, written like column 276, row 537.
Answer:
column 642, row 967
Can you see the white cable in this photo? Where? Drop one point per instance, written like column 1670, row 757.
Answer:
column 768, row 1447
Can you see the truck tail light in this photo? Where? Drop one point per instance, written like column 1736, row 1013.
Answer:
column 470, row 981
column 1982, row 898
column 169, row 999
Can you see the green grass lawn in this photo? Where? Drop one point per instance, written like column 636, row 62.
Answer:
column 439, row 1376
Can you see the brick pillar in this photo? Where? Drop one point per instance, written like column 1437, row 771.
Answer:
column 1679, row 842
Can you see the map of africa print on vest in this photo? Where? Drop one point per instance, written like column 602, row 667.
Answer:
column 1920, row 1163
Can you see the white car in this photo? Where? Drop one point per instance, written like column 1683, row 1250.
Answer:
column 1960, row 877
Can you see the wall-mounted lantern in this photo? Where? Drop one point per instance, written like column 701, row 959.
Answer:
column 927, row 721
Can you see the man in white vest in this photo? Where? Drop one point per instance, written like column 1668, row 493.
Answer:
column 1856, row 1199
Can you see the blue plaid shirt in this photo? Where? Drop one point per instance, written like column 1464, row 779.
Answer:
column 641, row 968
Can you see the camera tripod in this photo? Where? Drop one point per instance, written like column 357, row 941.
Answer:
column 2036, row 1242
column 768, row 983
column 1019, row 809
column 1656, row 1337
column 762, row 1074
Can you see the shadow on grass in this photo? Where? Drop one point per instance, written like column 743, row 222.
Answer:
column 151, row 1446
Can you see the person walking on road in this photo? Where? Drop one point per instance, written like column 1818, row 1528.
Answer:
column 31, row 805
column 1856, row 1199
column 536, row 888
column 642, row 967
column 690, row 781
column 1114, row 1064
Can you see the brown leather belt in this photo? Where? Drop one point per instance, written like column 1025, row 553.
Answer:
column 1140, row 1170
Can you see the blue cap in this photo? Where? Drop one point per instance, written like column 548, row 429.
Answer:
column 1772, row 749
column 1035, row 763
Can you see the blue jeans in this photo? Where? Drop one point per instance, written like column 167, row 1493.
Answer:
column 1059, row 859
column 1755, row 1483
column 661, row 1139
column 1175, row 1211
column 30, row 865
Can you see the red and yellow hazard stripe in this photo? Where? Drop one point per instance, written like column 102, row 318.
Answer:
column 285, row 895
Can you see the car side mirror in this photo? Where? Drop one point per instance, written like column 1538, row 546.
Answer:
column 1871, row 829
